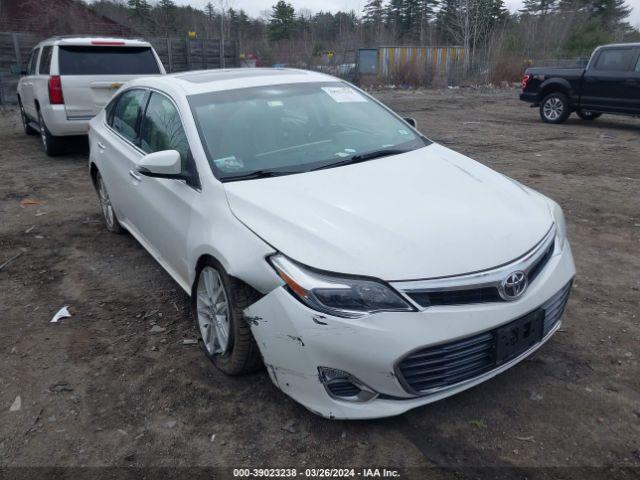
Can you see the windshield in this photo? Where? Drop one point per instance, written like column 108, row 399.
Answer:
column 283, row 129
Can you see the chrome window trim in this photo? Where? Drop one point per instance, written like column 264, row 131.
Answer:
column 486, row 278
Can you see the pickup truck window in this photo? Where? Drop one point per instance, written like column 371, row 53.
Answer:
column 615, row 59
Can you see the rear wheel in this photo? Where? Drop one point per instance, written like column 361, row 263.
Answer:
column 28, row 129
column 588, row 114
column 218, row 302
column 554, row 108
column 109, row 216
column 52, row 145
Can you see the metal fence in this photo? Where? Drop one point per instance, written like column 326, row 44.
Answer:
column 177, row 55
column 414, row 65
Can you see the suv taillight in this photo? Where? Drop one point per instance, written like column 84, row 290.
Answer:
column 525, row 80
column 55, row 90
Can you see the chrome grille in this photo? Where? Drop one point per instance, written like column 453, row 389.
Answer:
column 554, row 307
column 444, row 365
column 479, row 287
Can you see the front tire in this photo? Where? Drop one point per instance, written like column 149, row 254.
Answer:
column 554, row 108
column 588, row 114
column 217, row 303
column 52, row 145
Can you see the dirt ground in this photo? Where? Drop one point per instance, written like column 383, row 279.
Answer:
column 100, row 389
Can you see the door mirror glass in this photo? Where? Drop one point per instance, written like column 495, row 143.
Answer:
column 163, row 164
column 411, row 121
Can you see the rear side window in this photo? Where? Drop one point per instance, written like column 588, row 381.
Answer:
column 126, row 113
column 45, row 61
column 161, row 128
column 31, row 63
column 615, row 59
column 107, row 61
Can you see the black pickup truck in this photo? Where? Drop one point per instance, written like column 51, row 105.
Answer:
column 609, row 84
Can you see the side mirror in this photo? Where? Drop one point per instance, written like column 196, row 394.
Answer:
column 411, row 121
column 164, row 164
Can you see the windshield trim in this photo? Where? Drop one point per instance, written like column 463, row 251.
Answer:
column 307, row 167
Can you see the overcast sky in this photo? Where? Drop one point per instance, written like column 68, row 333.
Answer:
column 256, row 7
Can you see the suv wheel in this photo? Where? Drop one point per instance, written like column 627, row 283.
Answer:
column 218, row 302
column 554, row 108
column 588, row 115
column 28, row 129
column 52, row 145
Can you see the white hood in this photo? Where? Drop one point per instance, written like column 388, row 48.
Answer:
column 427, row 213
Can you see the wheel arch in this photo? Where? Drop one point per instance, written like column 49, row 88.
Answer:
column 200, row 263
column 554, row 85
column 93, row 173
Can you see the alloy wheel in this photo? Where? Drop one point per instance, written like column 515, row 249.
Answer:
column 553, row 108
column 105, row 204
column 43, row 132
column 213, row 312
column 23, row 116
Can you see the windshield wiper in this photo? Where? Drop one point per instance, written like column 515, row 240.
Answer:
column 256, row 174
column 363, row 157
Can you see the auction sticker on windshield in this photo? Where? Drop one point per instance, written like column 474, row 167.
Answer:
column 343, row 94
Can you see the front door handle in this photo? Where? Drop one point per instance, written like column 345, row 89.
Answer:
column 135, row 175
column 101, row 146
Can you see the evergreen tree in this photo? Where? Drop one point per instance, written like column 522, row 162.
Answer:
column 282, row 21
column 139, row 8
column 210, row 11
column 539, row 7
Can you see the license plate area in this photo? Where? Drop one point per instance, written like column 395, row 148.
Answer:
column 518, row 336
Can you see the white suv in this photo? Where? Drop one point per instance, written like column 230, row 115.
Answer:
column 69, row 79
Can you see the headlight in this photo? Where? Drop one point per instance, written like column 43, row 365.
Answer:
column 336, row 295
column 561, row 225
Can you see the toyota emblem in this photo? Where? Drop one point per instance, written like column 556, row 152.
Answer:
column 514, row 285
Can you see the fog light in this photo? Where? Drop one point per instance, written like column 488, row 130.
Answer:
column 342, row 385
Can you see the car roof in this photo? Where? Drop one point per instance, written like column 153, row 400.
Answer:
column 633, row 44
column 85, row 40
column 203, row 81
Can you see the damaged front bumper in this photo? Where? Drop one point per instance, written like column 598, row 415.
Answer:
column 303, row 348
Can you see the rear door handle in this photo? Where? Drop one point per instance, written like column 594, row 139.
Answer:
column 101, row 146
column 135, row 175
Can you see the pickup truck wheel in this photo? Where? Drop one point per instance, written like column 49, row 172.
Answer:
column 588, row 115
column 218, row 302
column 28, row 129
column 52, row 145
column 554, row 108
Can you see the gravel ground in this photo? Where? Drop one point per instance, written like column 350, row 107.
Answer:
column 100, row 389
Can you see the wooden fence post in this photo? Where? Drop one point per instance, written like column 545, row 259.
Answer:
column 169, row 55
column 16, row 48
column 187, row 52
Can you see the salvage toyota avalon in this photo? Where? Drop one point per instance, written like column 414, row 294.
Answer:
column 369, row 269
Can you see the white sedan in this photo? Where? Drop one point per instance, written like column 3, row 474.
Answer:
column 369, row 269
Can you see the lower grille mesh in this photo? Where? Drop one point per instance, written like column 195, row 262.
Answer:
column 447, row 364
